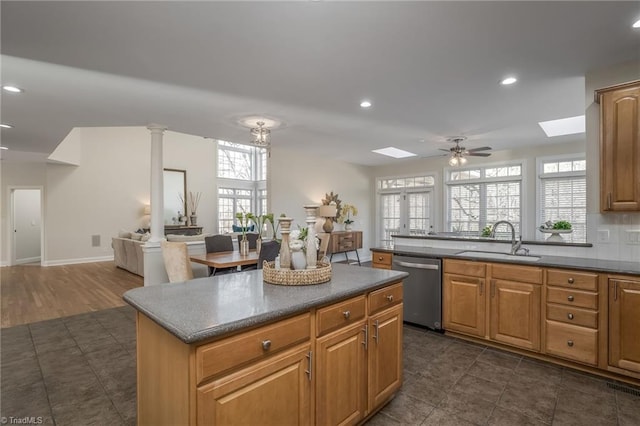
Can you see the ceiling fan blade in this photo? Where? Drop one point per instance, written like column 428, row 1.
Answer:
column 482, row 148
column 478, row 154
column 442, row 149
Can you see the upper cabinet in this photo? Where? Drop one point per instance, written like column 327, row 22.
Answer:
column 620, row 147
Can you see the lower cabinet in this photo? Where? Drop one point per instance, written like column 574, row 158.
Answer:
column 515, row 313
column 278, row 390
column 624, row 324
column 385, row 355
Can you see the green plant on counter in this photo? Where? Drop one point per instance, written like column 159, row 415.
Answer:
column 562, row 224
column 486, row 231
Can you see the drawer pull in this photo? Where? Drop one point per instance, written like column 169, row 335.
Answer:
column 570, row 343
column 570, row 298
column 266, row 345
column 570, row 280
column 380, row 258
column 390, row 298
column 570, row 316
column 346, row 314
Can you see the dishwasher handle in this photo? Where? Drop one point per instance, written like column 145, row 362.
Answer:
column 417, row 265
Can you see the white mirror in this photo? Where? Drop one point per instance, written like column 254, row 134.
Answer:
column 175, row 201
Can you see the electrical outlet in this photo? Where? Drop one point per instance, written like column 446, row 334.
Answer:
column 95, row 241
column 603, row 235
column 633, row 236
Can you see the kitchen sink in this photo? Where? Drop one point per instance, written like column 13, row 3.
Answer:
column 498, row 255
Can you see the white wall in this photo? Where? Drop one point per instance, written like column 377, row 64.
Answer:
column 296, row 180
column 27, row 222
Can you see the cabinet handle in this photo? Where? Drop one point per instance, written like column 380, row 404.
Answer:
column 570, row 343
column 481, row 287
column 609, row 201
column 570, row 316
column 346, row 314
column 375, row 329
column 266, row 345
column 570, row 280
column 380, row 259
column 390, row 298
column 570, row 298
column 365, row 330
column 310, row 358
column 493, row 288
column 615, row 290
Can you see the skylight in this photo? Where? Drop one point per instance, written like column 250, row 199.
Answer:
column 394, row 152
column 563, row 126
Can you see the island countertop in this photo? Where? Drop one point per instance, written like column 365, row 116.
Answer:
column 203, row 308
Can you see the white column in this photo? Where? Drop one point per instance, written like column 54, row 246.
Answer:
column 157, row 184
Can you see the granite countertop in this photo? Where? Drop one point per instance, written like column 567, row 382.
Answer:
column 210, row 307
column 587, row 264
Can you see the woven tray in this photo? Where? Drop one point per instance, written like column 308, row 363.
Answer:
column 271, row 275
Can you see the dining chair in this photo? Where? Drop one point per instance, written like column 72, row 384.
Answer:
column 324, row 244
column 251, row 237
column 176, row 261
column 215, row 244
column 268, row 252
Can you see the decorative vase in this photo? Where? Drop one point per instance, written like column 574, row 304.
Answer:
column 347, row 227
column 298, row 260
column 267, row 231
column 285, row 253
column 244, row 246
column 194, row 220
column 312, row 251
column 258, row 246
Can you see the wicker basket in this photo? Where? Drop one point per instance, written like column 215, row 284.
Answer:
column 271, row 275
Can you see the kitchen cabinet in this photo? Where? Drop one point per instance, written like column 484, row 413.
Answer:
column 572, row 316
column 624, row 323
column 385, row 355
column 381, row 260
column 515, row 294
column 620, row 147
column 464, row 297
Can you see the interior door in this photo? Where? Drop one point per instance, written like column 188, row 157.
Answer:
column 27, row 225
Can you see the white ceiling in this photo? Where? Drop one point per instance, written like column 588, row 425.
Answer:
column 431, row 69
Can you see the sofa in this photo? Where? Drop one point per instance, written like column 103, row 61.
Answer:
column 127, row 251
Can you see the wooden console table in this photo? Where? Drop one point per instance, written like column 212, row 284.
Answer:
column 344, row 242
column 182, row 230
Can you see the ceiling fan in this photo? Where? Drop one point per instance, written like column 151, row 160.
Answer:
column 458, row 153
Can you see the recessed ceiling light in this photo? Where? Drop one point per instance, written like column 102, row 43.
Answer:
column 508, row 80
column 6, row 126
column 564, row 126
column 394, row 152
column 365, row 104
column 12, row 89
column 636, row 24
column 3, row 147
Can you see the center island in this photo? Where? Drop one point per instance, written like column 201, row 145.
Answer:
column 234, row 350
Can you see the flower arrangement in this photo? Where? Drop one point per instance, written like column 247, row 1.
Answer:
column 560, row 224
column 298, row 239
column 345, row 214
column 261, row 220
column 194, row 201
column 243, row 218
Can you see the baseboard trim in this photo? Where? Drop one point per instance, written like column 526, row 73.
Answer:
column 77, row 261
column 27, row 260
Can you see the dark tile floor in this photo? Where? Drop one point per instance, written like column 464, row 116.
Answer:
column 81, row 370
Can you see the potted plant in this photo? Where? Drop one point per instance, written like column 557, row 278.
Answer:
column 555, row 229
column 243, row 218
column 347, row 211
column 261, row 226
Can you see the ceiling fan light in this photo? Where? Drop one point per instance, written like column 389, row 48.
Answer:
column 453, row 161
column 462, row 161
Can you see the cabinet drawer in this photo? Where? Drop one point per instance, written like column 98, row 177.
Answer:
column 572, row 279
column 462, row 267
column 516, row 273
column 340, row 314
column 385, row 297
column 380, row 259
column 217, row 357
column 572, row 342
column 583, row 299
column 572, row 315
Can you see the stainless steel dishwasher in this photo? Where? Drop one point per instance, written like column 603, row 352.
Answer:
column 422, row 290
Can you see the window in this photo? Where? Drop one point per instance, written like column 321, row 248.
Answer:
column 482, row 196
column 242, row 172
column 562, row 194
column 405, row 206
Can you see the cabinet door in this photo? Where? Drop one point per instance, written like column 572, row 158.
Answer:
column 515, row 313
column 341, row 376
column 385, row 355
column 624, row 323
column 273, row 392
column 464, row 304
column 620, row 149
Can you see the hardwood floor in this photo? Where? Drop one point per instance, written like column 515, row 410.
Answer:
column 31, row 293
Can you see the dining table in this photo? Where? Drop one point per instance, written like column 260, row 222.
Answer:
column 226, row 259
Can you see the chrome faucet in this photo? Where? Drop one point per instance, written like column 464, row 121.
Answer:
column 515, row 245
